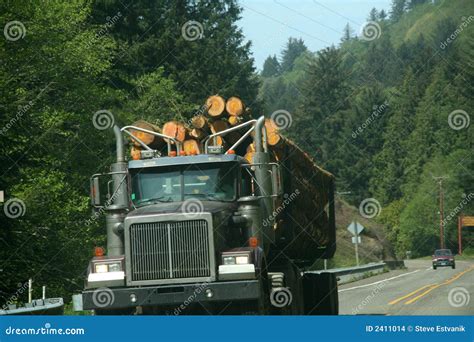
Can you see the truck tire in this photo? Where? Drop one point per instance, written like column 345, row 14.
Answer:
column 320, row 294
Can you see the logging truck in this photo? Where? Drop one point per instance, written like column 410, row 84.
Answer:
column 221, row 215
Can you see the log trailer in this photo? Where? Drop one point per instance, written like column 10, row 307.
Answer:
column 212, row 233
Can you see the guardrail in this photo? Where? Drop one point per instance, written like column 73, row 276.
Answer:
column 348, row 274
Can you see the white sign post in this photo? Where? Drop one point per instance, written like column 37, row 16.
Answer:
column 355, row 228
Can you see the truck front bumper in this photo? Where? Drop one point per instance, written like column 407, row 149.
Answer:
column 166, row 295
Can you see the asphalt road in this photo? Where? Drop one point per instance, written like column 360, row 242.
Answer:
column 418, row 290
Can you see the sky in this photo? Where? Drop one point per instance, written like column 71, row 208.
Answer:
column 320, row 23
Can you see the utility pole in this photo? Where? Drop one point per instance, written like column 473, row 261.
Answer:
column 441, row 210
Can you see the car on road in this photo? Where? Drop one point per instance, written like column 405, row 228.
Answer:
column 443, row 257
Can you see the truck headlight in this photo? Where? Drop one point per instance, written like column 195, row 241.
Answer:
column 235, row 258
column 108, row 267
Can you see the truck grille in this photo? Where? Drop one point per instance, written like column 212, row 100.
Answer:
column 170, row 250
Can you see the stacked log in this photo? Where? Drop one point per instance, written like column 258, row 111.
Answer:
column 303, row 225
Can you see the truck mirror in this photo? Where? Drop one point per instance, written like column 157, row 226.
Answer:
column 95, row 191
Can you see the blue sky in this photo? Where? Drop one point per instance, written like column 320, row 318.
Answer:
column 269, row 23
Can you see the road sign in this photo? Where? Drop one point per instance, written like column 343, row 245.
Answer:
column 354, row 239
column 467, row 221
column 353, row 226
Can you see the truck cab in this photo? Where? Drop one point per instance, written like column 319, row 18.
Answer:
column 190, row 234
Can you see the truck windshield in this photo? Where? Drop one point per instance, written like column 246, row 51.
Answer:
column 213, row 182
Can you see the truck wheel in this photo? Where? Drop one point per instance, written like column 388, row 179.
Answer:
column 434, row 267
column 320, row 294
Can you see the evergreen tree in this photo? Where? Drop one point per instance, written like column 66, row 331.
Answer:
column 293, row 49
column 397, row 10
column 373, row 15
column 271, row 67
column 348, row 33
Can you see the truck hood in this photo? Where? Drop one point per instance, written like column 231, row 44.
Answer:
column 180, row 207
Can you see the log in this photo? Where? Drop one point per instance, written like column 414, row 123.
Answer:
column 219, row 126
column 135, row 153
column 249, row 156
column 175, row 130
column 199, row 122
column 191, row 147
column 307, row 187
column 273, row 135
column 215, row 106
column 234, row 106
column 196, row 133
column 149, row 139
column 234, row 120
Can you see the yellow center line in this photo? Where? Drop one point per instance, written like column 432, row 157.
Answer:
column 431, row 288
column 395, row 301
column 423, row 294
column 435, row 286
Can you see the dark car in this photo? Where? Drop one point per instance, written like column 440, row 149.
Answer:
column 443, row 257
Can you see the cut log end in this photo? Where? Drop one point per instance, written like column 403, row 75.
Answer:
column 191, row 147
column 215, row 105
column 234, row 106
column 147, row 138
column 175, row 130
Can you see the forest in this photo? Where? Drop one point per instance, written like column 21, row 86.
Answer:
column 387, row 111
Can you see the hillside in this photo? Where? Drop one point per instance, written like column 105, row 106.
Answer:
column 374, row 245
column 387, row 111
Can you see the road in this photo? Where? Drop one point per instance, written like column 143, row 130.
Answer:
column 417, row 290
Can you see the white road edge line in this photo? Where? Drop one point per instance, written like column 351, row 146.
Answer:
column 378, row 282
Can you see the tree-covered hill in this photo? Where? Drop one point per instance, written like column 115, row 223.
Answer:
column 388, row 111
